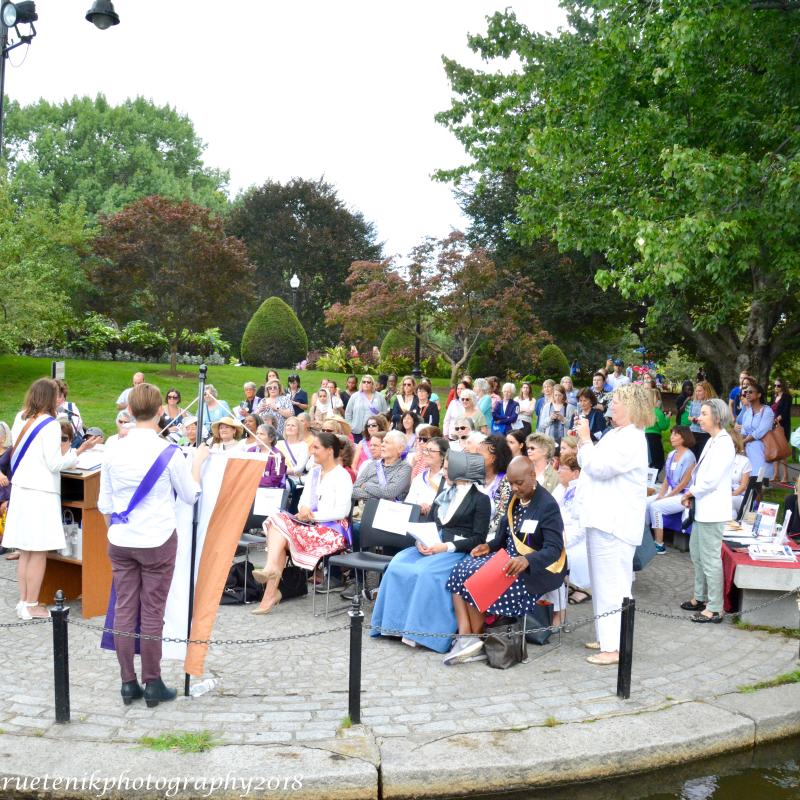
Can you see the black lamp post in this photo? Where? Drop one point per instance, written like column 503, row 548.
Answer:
column 294, row 283
column 12, row 15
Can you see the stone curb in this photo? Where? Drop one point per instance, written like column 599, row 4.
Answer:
column 354, row 766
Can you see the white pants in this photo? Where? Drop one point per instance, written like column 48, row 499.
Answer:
column 658, row 509
column 611, row 572
column 558, row 597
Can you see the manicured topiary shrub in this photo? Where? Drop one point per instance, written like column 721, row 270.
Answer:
column 553, row 363
column 274, row 336
column 396, row 342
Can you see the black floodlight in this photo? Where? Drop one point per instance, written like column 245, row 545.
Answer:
column 102, row 14
column 19, row 13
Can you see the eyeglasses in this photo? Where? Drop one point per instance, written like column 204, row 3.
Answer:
column 530, row 449
column 460, row 428
column 329, row 430
column 432, row 451
column 408, row 384
column 65, row 439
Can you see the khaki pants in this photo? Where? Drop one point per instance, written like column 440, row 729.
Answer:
column 705, row 548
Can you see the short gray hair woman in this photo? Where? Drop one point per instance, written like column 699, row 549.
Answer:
column 710, row 492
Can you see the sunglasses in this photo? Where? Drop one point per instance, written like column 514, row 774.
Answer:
column 530, row 449
column 373, row 425
column 748, row 391
column 366, row 381
column 173, row 397
column 423, row 439
column 65, row 439
column 460, row 428
column 408, row 384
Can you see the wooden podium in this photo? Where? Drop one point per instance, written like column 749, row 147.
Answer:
column 89, row 577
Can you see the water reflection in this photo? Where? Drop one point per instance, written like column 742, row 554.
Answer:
column 770, row 772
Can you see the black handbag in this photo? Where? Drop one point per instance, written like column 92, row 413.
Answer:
column 542, row 617
column 293, row 583
column 505, row 643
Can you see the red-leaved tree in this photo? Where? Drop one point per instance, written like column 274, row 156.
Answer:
column 170, row 264
column 450, row 289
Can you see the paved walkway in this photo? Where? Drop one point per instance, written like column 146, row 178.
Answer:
column 295, row 692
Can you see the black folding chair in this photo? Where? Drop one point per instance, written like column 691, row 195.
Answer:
column 366, row 559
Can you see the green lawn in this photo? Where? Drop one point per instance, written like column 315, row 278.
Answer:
column 95, row 385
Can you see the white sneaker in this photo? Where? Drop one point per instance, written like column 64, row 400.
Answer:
column 470, row 659
column 470, row 648
column 409, row 642
column 458, row 646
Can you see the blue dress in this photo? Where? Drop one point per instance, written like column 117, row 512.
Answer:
column 413, row 597
column 757, row 425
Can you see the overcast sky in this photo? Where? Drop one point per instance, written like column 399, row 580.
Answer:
column 346, row 90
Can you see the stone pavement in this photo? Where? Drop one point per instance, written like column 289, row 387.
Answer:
column 295, row 693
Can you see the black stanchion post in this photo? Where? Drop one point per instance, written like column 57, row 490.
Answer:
column 356, row 625
column 60, row 617
column 625, row 648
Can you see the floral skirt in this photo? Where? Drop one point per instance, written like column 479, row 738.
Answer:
column 308, row 543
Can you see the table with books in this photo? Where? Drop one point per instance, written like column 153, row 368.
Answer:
column 757, row 569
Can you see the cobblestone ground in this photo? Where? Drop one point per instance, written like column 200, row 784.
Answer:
column 297, row 690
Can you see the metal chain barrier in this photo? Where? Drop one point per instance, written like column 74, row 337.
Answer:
column 26, row 623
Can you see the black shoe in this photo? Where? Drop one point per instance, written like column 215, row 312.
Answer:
column 715, row 618
column 131, row 691
column 155, row 692
column 688, row 605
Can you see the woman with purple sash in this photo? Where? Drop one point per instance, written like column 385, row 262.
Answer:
column 364, row 404
column 677, row 474
column 320, row 527
column 293, row 447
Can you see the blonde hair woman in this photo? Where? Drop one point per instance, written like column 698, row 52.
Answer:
column 613, row 503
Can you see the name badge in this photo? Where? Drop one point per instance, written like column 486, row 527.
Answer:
column 529, row 525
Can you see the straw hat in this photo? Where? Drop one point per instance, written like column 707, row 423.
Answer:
column 234, row 423
column 344, row 426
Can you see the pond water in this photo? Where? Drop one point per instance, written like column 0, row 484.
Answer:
column 769, row 772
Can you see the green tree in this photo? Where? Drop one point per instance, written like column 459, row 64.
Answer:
column 274, row 336
column 89, row 151
column 41, row 254
column 301, row 227
column 170, row 264
column 553, row 363
column 664, row 135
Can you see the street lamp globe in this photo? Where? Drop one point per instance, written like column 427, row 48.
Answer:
column 294, row 282
column 102, row 14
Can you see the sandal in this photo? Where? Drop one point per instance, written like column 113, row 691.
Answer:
column 573, row 602
column 25, row 614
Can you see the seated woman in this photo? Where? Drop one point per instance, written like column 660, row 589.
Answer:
column 252, row 422
column 227, row 434
column 409, row 422
column 790, row 505
column 320, row 527
column 574, row 535
column 376, row 423
column 742, row 470
column 516, row 442
column 413, row 594
column 274, row 476
column 375, row 447
column 424, row 434
column 532, row 534
column 677, row 474
column 541, row 449
column 428, row 484
column 293, row 447
column 462, row 427
column 496, row 457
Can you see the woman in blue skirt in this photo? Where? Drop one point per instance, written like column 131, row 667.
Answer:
column 413, row 594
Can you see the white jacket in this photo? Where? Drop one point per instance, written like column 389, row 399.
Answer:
column 40, row 467
column 613, row 484
column 711, row 479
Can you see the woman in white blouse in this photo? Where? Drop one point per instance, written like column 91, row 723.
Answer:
column 293, row 447
column 428, row 483
column 740, row 475
column 613, row 489
column 320, row 526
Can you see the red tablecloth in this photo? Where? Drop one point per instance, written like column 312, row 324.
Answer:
column 731, row 558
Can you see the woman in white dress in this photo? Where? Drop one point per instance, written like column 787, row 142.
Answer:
column 742, row 470
column 33, row 525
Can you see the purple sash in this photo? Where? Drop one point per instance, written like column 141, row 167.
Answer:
column 495, row 483
column 365, row 449
column 380, row 472
column 291, row 454
column 107, row 639
column 148, row 482
column 332, row 523
column 17, row 456
column 408, row 447
column 372, row 409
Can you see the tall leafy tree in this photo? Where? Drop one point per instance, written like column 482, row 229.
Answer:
column 666, row 136
column 89, row 151
column 449, row 288
column 301, row 227
column 41, row 273
column 170, row 263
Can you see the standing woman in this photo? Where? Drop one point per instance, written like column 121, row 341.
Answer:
column 276, row 403
column 710, row 490
column 33, row 524
column 405, row 400
column 469, row 401
column 172, row 418
column 516, row 442
column 655, row 444
column 683, row 403
column 505, row 413
column 320, row 527
column 365, row 403
column 525, row 404
column 782, row 409
column 613, row 489
column 756, row 421
column 428, row 410
column 703, row 391
column 142, row 540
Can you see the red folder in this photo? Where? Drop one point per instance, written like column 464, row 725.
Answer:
column 490, row 581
